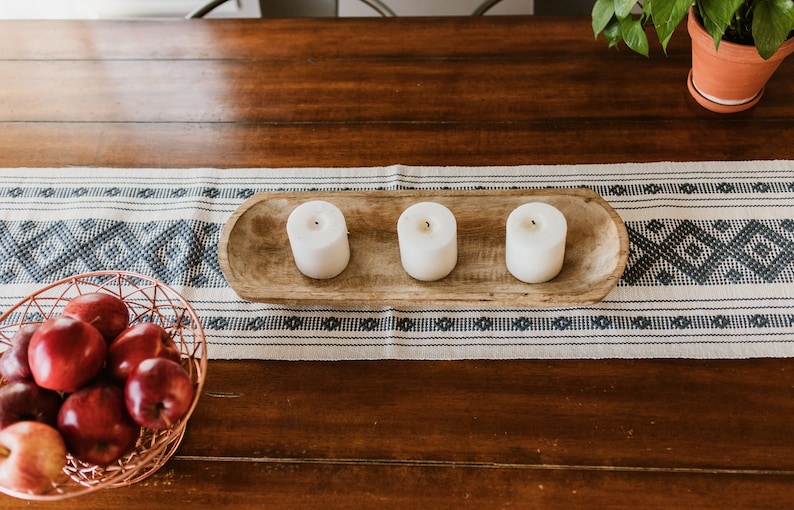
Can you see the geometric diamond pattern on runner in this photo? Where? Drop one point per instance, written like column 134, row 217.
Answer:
column 182, row 252
column 762, row 250
column 686, row 252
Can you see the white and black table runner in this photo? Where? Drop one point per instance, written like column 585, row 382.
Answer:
column 710, row 271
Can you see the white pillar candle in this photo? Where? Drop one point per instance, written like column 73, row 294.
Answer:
column 535, row 242
column 318, row 237
column 428, row 236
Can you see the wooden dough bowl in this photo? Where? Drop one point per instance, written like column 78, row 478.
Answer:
column 255, row 256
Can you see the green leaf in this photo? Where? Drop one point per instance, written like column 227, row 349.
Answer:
column 603, row 13
column 773, row 20
column 717, row 15
column 714, row 30
column 634, row 34
column 612, row 33
column 623, row 7
column 666, row 15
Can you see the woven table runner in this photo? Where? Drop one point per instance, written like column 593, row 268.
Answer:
column 710, row 272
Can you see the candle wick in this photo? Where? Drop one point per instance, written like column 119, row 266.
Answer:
column 427, row 223
column 533, row 222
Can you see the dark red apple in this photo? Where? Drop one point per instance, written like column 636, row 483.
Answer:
column 106, row 312
column 158, row 392
column 135, row 344
column 14, row 361
column 65, row 353
column 95, row 424
column 32, row 457
column 26, row 401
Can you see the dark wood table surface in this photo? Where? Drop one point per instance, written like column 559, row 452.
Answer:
column 437, row 91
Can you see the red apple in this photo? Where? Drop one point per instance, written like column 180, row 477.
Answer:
column 32, row 457
column 159, row 392
column 106, row 312
column 137, row 343
column 95, row 424
column 14, row 361
column 26, row 401
column 65, row 353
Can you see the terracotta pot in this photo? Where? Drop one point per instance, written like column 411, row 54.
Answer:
column 733, row 78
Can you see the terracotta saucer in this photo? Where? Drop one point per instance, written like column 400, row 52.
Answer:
column 718, row 107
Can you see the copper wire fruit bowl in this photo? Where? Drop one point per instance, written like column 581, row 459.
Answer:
column 148, row 301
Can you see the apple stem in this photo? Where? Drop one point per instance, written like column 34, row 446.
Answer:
column 4, row 451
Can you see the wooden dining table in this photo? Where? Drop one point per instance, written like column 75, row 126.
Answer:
column 468, row 91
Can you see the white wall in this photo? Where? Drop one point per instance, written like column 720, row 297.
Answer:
column 98, row 9
column 435, row 7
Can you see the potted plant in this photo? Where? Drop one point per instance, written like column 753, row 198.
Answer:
column 751, row 36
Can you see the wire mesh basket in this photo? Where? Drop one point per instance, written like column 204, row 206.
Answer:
column 148, row 300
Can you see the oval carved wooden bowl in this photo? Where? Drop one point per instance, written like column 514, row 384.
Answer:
column 256, row 260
